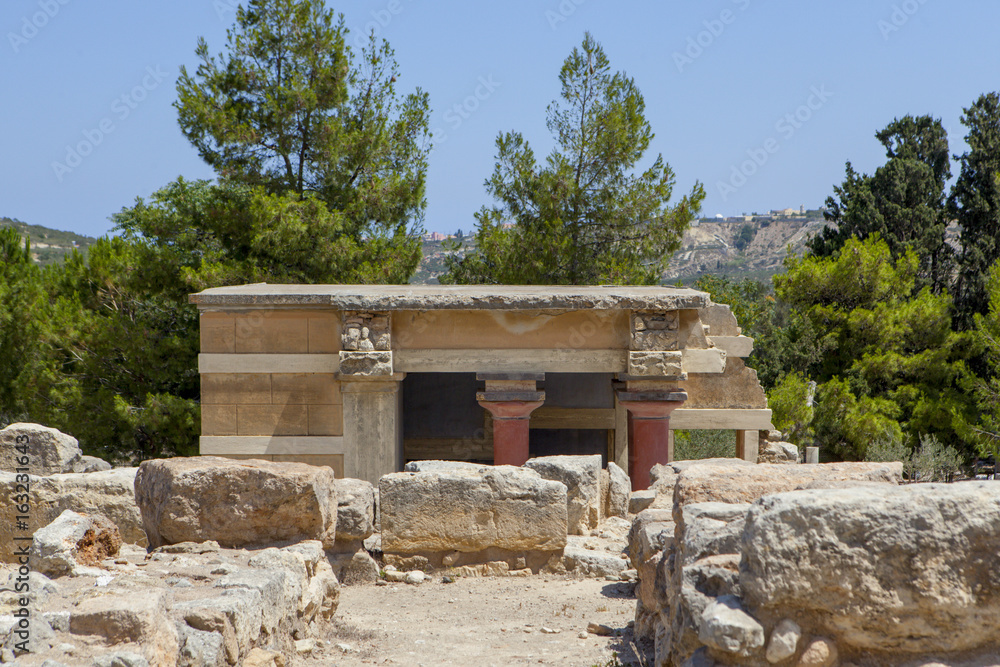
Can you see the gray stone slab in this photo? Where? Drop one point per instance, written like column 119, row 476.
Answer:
column 452, row 297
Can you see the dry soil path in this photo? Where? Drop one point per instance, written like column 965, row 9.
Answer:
column 483, row 622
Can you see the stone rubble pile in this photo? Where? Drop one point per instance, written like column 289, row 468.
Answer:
column 189, row 604
column 825, row 565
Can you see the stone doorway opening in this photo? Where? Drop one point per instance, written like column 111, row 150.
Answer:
column 442, row 419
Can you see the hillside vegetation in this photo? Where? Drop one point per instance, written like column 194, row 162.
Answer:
column 49, row 245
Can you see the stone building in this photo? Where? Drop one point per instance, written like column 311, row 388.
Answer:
column 364, row 378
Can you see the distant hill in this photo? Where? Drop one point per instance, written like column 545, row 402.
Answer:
column 751, row 247
column 49, row 245
column 754, row 247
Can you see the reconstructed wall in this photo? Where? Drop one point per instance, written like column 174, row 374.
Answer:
column 260, row 398
column 314, row 374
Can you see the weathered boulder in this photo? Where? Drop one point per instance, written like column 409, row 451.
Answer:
column 582, row 558
column 73, row 540
column 784, row 641
column 777, row 452
column 199, row 648
column 663, row 477
column 704, row 566
column 885, row 571
column 138, row 619
column 440, row 466
column 744, row 484
column 109, row 493
column 619, row 491
column 48, row 450
column 582, row 477
column 641, row 500
column 652, row 533
column 727, row 627
column 471, row 510
column 236, row 503
column 355, row 509
column 93, row 464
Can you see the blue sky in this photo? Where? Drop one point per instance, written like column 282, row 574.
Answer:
column 763, row 102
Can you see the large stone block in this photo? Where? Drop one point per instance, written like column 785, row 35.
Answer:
column 72, row 540
column 890, row 571
column 745, row 484
column 355, row 509
column 236, row 503
column 366, row 364
column 472, row 510
column 109, row 493
column 140, row 619
column 619, row 491
column 48, row 450
column 655, row 364
column 582, row 477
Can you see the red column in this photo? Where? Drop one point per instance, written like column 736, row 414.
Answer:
column 510, row 430
column 649, row 434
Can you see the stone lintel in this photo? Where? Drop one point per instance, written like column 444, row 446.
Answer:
column 382, row 298
column 655, row 364
column 365, row 364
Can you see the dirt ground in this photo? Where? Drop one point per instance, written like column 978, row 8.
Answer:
column 483, row 622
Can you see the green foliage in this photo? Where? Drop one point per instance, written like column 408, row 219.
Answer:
column 202, row 235
column 584, row 216
column 321, row 181
column 745, row 237
column 22, row 320
column 703, row 444
column 791, row 405
column 749, row 299
column 891, row 363
column 903, row 201
column 975, row 203
column 290, row 108
column 985, row 429
column 845, row 424
column 929, row 461
column 785, row 341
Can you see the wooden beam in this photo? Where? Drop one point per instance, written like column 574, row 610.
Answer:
column 586, row 418
column 704, row 419
column 510, row 361
column 268, row 363
column 447, row 449
column 270, row 445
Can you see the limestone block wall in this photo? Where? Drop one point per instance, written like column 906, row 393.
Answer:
column 269, row 388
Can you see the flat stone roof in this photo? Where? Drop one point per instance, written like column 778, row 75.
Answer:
column 452, row 297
